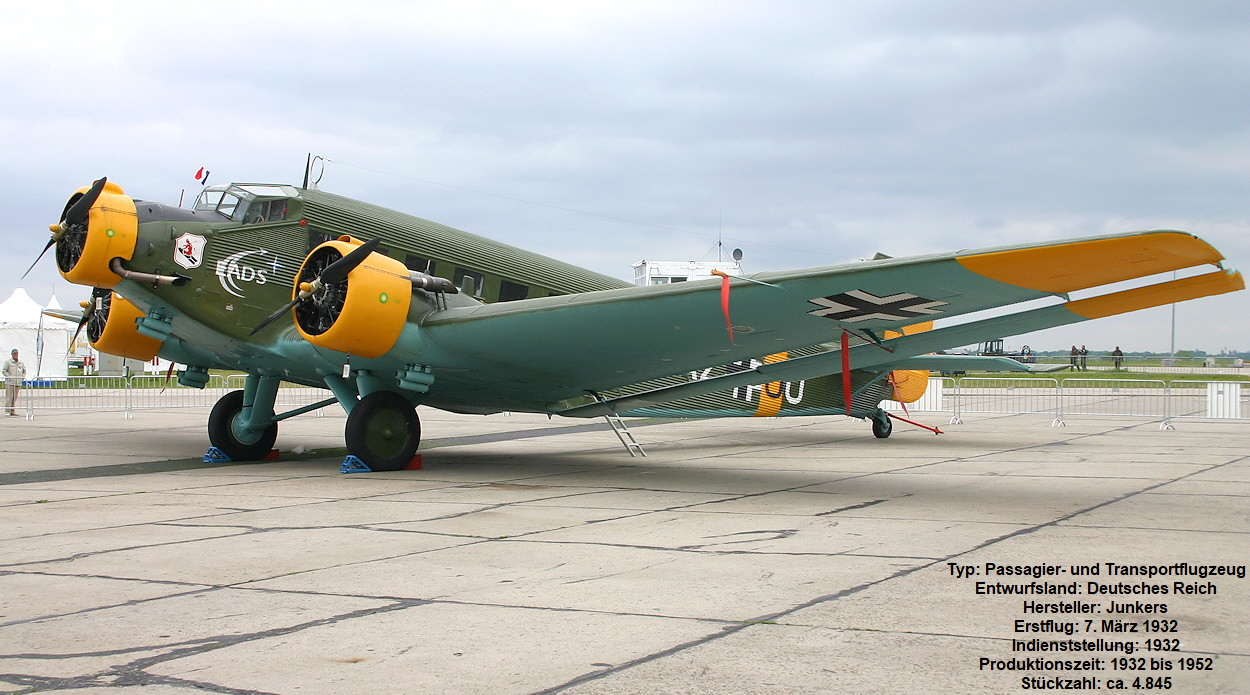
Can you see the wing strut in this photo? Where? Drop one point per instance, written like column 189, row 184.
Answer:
column 846, row 370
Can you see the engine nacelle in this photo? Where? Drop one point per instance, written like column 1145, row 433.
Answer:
column 362, row 315
column 909, row 384
column 112, row 231
column 112, row 329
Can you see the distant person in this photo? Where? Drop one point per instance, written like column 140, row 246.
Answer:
column 14, row 373
column 1082, row 354
column 1117, row 358
column 1074, row 353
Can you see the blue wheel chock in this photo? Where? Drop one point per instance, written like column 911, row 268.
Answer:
column 351, row 464
column 215, row 455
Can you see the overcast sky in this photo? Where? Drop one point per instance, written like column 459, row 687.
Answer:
column 804, row 133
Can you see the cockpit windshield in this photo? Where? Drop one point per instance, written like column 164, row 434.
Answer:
column 249, row 203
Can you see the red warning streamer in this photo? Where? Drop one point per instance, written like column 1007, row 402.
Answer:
column 894, row 390
column 724, row 303
column 168, row 374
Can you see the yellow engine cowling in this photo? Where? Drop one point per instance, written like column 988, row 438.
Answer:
column 120, row 336
column 112, row 232
column 909, row 384
column 374, row 309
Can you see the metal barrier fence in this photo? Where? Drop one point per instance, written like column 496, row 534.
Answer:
column 146, row 392
column 1080, row 396
column 960, row 396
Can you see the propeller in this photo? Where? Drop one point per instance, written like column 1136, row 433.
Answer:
column 334, row 274
column 93, row 316
column 76, row 214
column 75, row 219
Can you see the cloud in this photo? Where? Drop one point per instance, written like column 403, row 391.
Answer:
column 806, row 133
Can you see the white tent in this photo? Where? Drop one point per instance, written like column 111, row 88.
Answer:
column 43, row 341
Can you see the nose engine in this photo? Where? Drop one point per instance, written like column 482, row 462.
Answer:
column 99, row 224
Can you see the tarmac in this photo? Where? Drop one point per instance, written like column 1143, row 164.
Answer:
column 528, row 555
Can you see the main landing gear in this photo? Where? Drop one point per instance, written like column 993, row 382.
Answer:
column 383, row 429
column 239, row 426
column 882, row 425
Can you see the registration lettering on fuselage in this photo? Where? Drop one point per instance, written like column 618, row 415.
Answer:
column 768, row 397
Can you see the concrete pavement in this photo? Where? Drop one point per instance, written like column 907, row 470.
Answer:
column 534, row 556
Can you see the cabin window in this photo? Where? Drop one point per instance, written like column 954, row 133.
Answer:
column 265, row 211
column 511, row 291
column 317, row 238
column 419, row 264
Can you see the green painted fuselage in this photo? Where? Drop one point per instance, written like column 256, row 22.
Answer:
column 256, row 237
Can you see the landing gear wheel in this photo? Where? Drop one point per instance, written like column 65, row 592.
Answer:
column 222, row 434
column 383, row 431
column 882, row 425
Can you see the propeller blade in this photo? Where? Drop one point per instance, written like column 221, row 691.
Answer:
column 334, row 273
column 81, row 323
column 45, row 250
column 77, row 213
column 337, row 271
column 276, row 315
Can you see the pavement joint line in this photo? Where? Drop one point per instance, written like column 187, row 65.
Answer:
column 1065, row 521
column 134, row 673
column 777, row 615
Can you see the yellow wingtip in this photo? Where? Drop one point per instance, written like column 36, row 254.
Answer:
column 1077, row 265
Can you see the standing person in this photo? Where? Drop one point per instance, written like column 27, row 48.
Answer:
column 1074, row 354
column 1117, row 357
column 1083, row 353
column 14, row 373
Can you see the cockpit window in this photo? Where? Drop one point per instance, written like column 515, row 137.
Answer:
column 247, row 202
column 229, row 204
column 209, row 197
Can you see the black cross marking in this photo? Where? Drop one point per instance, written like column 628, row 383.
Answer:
column 858, row 305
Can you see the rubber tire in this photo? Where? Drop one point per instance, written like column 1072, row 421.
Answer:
column 221, row 431
column 882, row 425
column 383, row 431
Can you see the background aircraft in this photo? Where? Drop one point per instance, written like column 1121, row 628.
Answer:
column 276, row 281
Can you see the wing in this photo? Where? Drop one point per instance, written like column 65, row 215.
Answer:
column 554, row 349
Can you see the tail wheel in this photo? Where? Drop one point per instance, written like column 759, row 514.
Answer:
column 882, row 425
column 383, row 431
column 222, row 433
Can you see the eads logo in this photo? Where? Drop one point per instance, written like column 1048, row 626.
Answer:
column 233, row 270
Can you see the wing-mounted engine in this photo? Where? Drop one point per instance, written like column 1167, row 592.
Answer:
column 909, row 384
column 99, row 224
column 110, row 322
column 360, row 314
